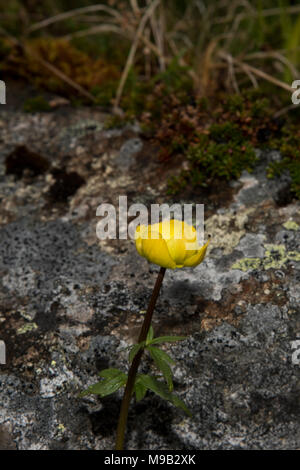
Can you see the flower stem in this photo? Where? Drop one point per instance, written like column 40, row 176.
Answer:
column 136, row 362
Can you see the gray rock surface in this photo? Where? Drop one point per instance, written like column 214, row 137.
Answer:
column 71, row 304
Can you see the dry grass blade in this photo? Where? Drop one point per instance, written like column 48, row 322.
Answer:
column 135, row 8
column 276, row 55
column 231, row 75
column 103, row 28
column 257, row 72
column 132, row 51
column 158, row 30
column 75, row 12
column 264, row 13
column 250, row 75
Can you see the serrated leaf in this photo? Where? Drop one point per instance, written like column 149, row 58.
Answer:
column 160, row 362
column 167, row 339
column 161, row 389
column 106, row 386
column 134, row 350
column 150, row 335
column 139, row 389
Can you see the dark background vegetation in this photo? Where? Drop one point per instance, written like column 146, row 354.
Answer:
column 209, row 81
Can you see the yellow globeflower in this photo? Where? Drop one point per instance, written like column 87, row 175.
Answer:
column 170, row 244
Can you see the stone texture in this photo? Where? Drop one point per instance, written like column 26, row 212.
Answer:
column 70, row 304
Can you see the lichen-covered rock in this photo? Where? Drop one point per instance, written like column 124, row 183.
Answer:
column 70, row 305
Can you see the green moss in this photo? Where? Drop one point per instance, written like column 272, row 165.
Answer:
column 37, row 104
column 220, row 160
column 289, row 146
column 226, row 132
column 234, row 103
column 215, row 136
column 105, row 93
column 116, row 122
column 223, row 153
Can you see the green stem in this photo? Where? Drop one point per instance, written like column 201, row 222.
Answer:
column 136, row 362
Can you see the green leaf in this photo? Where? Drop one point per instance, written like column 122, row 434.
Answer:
column 110, row 373
column 161, row 389
column 106, row 386
column 180, row 404
column 163, row 355
column 167, row 339
column 158, row 357
column 140, row 389
column 150, row 335
column 134, row 350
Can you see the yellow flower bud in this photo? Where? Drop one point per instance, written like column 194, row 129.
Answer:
column 170, row 244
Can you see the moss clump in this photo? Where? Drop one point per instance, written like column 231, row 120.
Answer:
column 220, row 160
column 116, row 122
column 37, row 104
column 223, row 153
column 289, row 147
column 75, row 64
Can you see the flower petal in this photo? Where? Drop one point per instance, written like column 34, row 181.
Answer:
column 177, row 250
column 197, row 258
column 155, row 250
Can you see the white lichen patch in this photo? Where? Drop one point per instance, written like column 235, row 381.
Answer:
column 20, row 279
column 51, row 386
column 227, row 229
